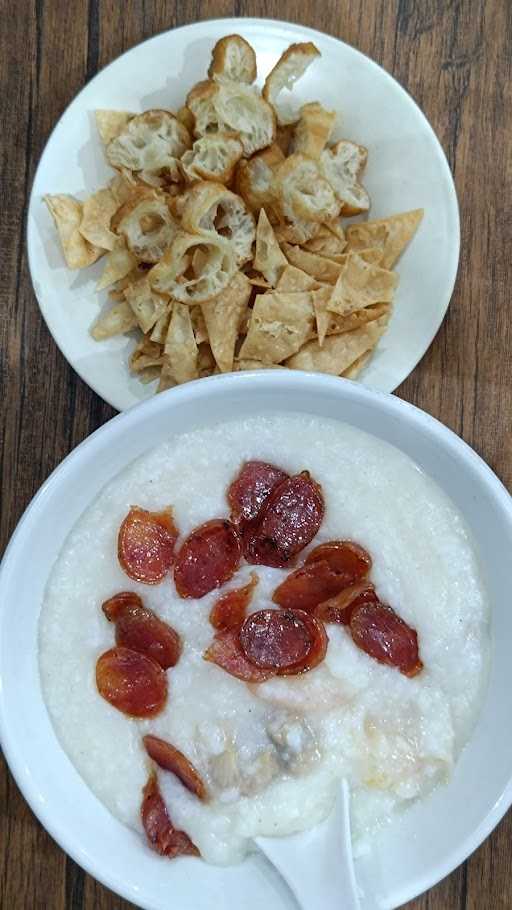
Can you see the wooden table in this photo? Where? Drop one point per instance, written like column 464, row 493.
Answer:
column 454, row 57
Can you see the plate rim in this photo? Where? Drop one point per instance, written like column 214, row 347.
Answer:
column 113, row 399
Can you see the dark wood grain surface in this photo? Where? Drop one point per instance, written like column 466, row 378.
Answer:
column 454, row 57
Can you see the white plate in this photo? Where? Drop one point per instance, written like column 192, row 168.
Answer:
column 407, row 169
column 435, row 835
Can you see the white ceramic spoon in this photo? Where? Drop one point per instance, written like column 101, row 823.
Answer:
column 317, row 865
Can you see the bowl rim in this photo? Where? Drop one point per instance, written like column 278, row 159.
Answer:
column 233, row 23
column 154, row 408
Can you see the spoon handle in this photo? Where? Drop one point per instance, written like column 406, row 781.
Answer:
column 317, row 864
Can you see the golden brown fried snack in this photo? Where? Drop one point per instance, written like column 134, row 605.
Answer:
column 233, row 59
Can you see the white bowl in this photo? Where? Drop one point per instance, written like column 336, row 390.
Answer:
column 435, row 836
column 406, row 169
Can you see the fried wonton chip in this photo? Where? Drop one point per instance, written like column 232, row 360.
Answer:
column 359, row 285
column 327, row 242
column 269, row 258
column 206, row 365
column 390, row 235
column 279, row 326
column 167, row 380
column 146, row 354
column 293, row 279
column 257, row 280
column 67, row 214
column 223, row 318
column 159, row 333
column 373, row 257
column 338, row 352
column 246, row 364
column 146, row 304
column 328, row 323
column 122, row 187
column 320, row 298
column 355, row 369
column 115, row 321
column 119, row 262
column 198, row 324
column 97, row 211
column 180, row 345
column 111, row 123
column 340, row 324
column 296, row 232
column 117, row 291
column 149, row 375
column 336, row 226
column 320, row 267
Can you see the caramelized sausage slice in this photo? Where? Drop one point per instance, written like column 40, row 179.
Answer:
column 115, row 606
column 288, row 521
column 230, row 610
column 308, row 586
column 132, row 682
column 382, row 634
column 286, row 641
column 226, row 651
column 341, row 607
column 145, row 544
column 161, row 834
column 318, row 649
column 139, row 629
column 348, row 559
column 208, row 557
column 251, row 487
column 171, row 759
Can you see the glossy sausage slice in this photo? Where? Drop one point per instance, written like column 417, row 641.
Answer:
column 251, row 487
column 230, row 610
column 288, row 521
column 382, row 634
column 339, row 608
column 286, row 641
column 226, row 652
column 145, row 544
column 308, row 586
column 171, row 759
column 132, row 682
column 318, row 650
column 351, row 561
column 208, row 557
column 161, row 834
column 139, row 629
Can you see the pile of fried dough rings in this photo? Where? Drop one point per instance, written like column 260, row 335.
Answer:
column 223, row 231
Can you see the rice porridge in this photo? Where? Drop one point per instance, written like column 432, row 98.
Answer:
column 272, row 753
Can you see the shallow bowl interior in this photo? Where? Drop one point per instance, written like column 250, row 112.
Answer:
column 435, row 835
column 407, row 169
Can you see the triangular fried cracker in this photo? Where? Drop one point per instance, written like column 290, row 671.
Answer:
column 223, row 318
column 279, row 326
column 269, row 258
column 390, row 235
column 361, row 284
